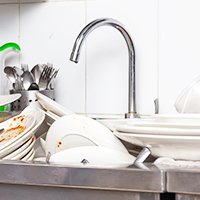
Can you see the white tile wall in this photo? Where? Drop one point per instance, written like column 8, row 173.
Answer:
column 107, row 56
column 165, row 35
column 47, row 34
column 179, row 52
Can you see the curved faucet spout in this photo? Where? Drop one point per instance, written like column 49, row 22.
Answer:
column 114, row 23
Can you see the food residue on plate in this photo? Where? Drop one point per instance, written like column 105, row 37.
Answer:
column 12, row 133
column 14, row 129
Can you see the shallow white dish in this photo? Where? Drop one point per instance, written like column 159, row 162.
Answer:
column 39, row 151
column 178, row 118
column 24, row 152
column 6, row 99
column 154, row 123
column 176, row 147
column 15, row 128
column 39, row 120
column 52, row 106
column 94, row 156
column 158, row 130
column 39, row 159
column 32, row 107
column 110, row 123
column 19, row 150
column 70, row 140
column 31, row 156
column 50, row 117
column 28, row 155
column 77, row 124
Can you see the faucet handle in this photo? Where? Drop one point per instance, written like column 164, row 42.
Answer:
column 156, row 102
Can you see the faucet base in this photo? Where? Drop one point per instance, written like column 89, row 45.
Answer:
column 132, row 115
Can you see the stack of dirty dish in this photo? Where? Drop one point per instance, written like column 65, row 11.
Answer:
column 175, row 136
column 78, row 140
column 17, row 136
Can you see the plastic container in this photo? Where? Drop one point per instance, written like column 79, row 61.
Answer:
column 189, row 99
column 6, row 48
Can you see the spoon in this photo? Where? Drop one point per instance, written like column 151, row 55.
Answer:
column 10, row 74
column 18, row 83
column 18, row 70
column 27, row 79
column 33, row 86
column 36, row 71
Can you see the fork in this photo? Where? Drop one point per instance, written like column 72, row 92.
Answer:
column 46, row 77
column 51, row 79
column 43, row 78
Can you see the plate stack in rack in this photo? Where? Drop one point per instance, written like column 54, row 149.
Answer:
column 176, row 136
column 17, row 136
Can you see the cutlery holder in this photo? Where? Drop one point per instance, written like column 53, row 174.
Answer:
column 27, row 97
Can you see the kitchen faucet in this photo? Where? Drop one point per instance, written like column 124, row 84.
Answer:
column 114, row 23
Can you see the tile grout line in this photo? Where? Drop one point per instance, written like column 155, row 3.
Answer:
column 19, row 31
column 85, row 61
column 158, row 43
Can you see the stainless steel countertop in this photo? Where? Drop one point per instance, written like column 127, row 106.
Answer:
column 183, row 180
column 144, row 178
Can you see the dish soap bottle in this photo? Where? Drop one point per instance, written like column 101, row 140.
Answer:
column 4, row 49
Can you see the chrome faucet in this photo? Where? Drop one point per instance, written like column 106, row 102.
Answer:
column 111, row 22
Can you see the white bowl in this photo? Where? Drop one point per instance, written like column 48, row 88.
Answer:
column 84, row 131
column 189, row 99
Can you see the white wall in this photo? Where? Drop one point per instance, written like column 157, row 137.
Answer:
column 166, row 36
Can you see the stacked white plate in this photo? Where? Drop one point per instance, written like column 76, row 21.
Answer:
column 18, row 138
column 79, row 140
column 174, row 136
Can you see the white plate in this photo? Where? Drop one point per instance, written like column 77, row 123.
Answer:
column 39, row 151
column 31, row 156
column 110, row 123
column 157, row 130
column 50, row 117
column 155, row 124
column 176, row 147
column 28, row 155
column 15, row 128
column 77, row 124
column 39, row 159
column 98, row 156
column 6, row 99
column 52, row 106
column 23, row 153
column 32, row 107
column 39, row 116
column 69, row 140
column 19, row 150
column 178, row 118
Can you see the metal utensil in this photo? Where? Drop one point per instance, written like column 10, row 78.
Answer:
column 18, row 83
column 10, row 74
column 27, row 79
column 45, row 77
column 36, row 71
column 51, row 79
column 18, row 70
column 33, row 86
column 24, row 67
